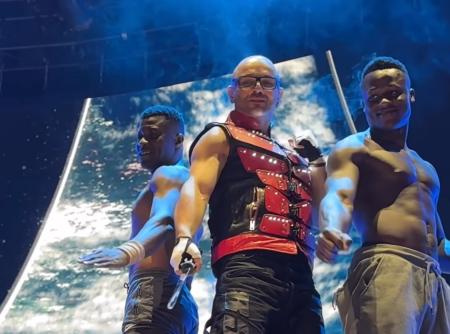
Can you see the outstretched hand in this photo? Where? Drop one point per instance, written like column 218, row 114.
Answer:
column 106, row 258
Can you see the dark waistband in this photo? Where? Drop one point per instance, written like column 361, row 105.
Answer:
column 417, row 258
column 297, row 262
column 371, row 243
column 156, row 273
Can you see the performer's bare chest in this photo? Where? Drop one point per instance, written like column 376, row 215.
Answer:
column 397, row 174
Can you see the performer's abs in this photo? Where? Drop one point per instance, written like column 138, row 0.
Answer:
column 159, row 260
column 397, row 228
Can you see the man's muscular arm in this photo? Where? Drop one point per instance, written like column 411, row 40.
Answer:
column 207, row 161
column 443, row 247
column 165, row 184
column 318, row 179
column 336, row 208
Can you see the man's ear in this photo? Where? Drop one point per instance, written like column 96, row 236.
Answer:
column 230, row 91
column 412, row 95
column 179, row 140
column 280, row 95
column 363, row 106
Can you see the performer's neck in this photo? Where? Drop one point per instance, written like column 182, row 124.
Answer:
column 390, row 139
column 258, row 123
column 264, row 124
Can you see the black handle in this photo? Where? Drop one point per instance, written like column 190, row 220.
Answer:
column 187, row 265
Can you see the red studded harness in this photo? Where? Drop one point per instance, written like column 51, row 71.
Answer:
column 274, row 212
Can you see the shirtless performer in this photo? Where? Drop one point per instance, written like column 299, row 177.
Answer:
column 394, row 282
column 260, row 196
column 152, row 281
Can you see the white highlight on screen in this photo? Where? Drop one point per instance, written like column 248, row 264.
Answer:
column 23, row 274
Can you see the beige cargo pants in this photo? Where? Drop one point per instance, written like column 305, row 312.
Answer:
column 393, row 289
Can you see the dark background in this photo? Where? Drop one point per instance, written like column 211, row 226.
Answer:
column 40, row 106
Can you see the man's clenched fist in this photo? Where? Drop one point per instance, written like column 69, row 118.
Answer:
column 306, row 145
column 330, row 242
column 185, row 249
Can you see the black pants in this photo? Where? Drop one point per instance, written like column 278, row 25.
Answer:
column 146, row 310
column 262, row 292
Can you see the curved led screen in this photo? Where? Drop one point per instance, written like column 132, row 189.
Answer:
column 56, row 294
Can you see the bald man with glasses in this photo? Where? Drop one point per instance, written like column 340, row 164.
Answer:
column 261, row 197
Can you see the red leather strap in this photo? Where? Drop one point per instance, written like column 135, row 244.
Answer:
column 284, row 227
column 276, row 203
column 252, row 241
column 282, row 183
column 253, row 160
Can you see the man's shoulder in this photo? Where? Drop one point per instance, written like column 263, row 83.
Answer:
column 173, row 174
column 422, row 161
column 352, row 144
column 214, row 132
column 416, row 156
column 355, row 141
column 213, row 140
column 351, row 148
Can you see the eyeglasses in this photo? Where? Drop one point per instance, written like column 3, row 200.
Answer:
column 248, row 82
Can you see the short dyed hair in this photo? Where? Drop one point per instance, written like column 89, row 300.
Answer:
column 169, row 113
column 383, row 63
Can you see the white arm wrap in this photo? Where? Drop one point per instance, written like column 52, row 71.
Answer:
column 134, row 250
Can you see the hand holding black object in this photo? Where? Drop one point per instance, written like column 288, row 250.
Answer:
column 185, row 252
column 306, row 145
